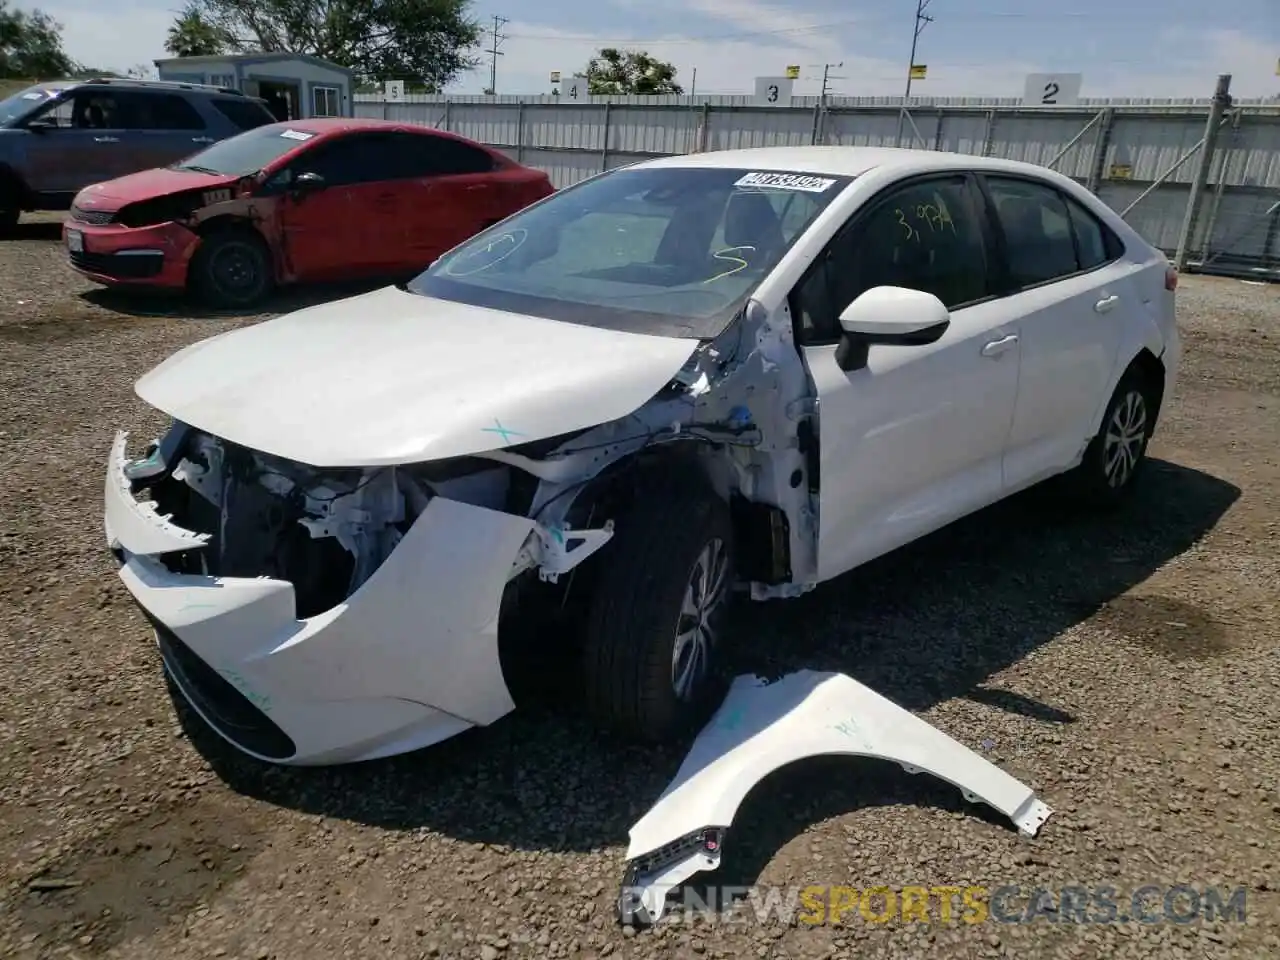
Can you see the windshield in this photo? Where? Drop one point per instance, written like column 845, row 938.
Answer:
column 22, row 103
column 671, row 251
column 247, row 152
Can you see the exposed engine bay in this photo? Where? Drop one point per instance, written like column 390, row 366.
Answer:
column 740, row 417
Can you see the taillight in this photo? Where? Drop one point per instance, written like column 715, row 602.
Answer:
column 1171, row 279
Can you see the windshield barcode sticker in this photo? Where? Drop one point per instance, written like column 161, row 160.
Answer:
column 297, row 135
column 786, row 181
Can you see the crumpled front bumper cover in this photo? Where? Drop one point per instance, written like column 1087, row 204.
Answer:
column 762, row 727
column 410, row 659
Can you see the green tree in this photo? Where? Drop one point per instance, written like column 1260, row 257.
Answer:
column 193, row 36
column 614, row 72
column 31, row 45
column 424, row 41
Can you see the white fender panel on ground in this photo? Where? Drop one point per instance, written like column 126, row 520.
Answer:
column 762, row 727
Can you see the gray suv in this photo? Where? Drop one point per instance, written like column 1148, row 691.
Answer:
column 57, row 138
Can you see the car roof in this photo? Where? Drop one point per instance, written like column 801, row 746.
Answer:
column 835, row 161
column 330, row 126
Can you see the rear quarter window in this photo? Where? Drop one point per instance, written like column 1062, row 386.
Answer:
column 243, row 114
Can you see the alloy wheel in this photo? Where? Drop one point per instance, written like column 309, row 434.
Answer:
column 1125, row 438
column 696, row 628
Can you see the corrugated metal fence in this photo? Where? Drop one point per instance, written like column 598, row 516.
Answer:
column 1140, row 157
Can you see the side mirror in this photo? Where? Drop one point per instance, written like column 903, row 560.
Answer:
column 889, row 316
column 307, row 183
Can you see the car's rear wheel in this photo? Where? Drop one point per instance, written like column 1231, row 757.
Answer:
column 8, row 215
column 1114, row 458
column 657, row 613
column 231, row 269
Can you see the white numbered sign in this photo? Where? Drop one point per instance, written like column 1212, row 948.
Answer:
column 773, row 92
column 1052, row 89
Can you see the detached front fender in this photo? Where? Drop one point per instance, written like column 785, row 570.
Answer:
column 762, row 727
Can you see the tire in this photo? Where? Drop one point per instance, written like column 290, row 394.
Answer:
column 635, row 684
column 1114, row 459
column 8, row 217
column 231, row 269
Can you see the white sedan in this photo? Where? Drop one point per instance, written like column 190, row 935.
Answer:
column 751, row 369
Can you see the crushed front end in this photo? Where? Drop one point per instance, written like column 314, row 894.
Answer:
column 324, row 616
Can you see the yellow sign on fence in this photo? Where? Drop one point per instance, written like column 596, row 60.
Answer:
column 793, row 73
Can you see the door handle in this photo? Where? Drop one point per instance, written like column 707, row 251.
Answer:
column 202, row 139
column 106, row 139
column 1106, row 303
column 997, row 347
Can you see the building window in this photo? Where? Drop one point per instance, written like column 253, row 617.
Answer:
column 326, row 102
column 223, row 80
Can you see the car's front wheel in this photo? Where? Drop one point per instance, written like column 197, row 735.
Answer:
column 657, row 614
column 231, row 269
column 1114, row 458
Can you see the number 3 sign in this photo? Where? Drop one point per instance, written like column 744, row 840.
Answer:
column 1052, row 89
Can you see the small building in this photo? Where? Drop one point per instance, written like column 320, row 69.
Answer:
column 296, row 86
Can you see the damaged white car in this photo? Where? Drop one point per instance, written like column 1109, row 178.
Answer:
column 753, row 369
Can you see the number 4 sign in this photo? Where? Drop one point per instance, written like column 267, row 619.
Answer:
column 1052, row 89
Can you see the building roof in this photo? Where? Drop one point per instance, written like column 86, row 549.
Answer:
column 252, row 58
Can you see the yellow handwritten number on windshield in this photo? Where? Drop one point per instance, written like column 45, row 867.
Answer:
column 910, row 231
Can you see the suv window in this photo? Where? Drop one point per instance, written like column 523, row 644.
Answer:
column 163, row 111
column 425, row 155
column 87, row 109
column 926, row 235
column 243, row 114
column 1039, row 234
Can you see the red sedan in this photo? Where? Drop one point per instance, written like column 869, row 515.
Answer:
column 294, row 202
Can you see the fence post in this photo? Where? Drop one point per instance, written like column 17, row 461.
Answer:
column 446, row 113
column 520, row 132
column 988, row 135
column 1101, row 143
column 937, row 130
column 817, row 122
column 1219, row 186
column 604, row 140
column 1221, row 99
column 704, row 130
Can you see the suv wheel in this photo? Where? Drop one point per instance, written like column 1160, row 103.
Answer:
column 8, row 217
column 231, row 268
column 657, row 613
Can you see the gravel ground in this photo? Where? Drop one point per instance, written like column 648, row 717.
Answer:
column 1126, row 668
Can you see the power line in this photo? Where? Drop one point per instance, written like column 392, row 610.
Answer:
column 495, row 53
column 922, row 21
column 861, row 21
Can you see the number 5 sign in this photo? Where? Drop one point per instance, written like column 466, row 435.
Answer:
column 773, row 92
column 1052, row 89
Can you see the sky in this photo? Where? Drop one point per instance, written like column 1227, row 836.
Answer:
column 1134, row 48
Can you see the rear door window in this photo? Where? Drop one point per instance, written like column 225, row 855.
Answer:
column 424, row 155
column 243, row 114
column 162, row 111
column 1040, row 241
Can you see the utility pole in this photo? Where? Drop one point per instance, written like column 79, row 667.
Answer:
column 495, row 53
column 922, row 21
column 820, row 113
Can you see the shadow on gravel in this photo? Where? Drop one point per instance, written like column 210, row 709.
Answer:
column 155, row 303
column 40, row 230
column 929, row 623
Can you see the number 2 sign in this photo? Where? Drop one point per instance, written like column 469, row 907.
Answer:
column 1052, row 89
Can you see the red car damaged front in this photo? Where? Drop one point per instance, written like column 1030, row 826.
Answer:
column 143, row 229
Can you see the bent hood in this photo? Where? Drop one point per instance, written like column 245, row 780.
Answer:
column 391, row 377
column 147, row 185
